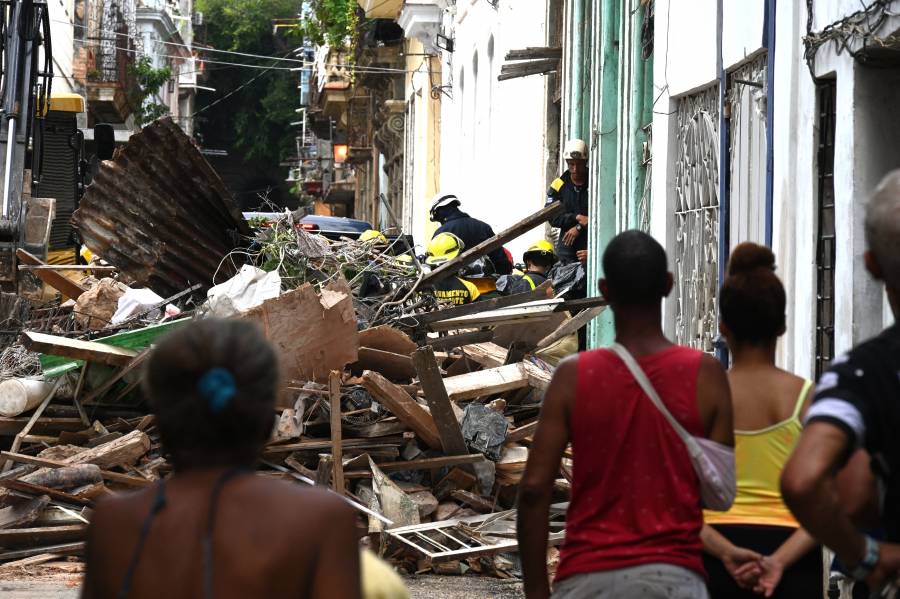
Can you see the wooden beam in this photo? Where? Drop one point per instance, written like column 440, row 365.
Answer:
column 571, row 326
column 523, row 69
column 532, row 53
column 67, row 287
column 77, row 349
column 23, row 513
column 116, row 477
column 391, row 365
column 337, row 453
column 438, row 401
column 486, row 382
column 37, row 490
column 451, row 341
column 538, row 378
column 535, row 311
column 60, row 267
column 489, row 245
column 17, row 537
column 423, row 464
column 60, row 549
column 489, row 355
column 505, row 301
column 319, row 445
column 524, row 431
column 403, row 407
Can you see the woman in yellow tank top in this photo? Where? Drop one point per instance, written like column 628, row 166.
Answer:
column 757, row 545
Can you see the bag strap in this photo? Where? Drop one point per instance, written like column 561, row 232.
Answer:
column 638, row 373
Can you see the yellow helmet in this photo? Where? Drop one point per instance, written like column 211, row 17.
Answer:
column 443, row 247
column 372, row 234
column 540, row 249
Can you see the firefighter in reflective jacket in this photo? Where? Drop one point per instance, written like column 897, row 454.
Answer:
column 538, row 258
column 441, row 248
column 572, row 190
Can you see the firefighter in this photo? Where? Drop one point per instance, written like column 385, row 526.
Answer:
column 441, row 248
column 445, row 210
column 538, row 258
column 572, row 190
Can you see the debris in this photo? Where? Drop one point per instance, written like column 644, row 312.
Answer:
column 95, row 308
column 21, row 395
column 143, row 205
column 67, row 287
column 247, row 289
column 140, row 301
column 484, row 430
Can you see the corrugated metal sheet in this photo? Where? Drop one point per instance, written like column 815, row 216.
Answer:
column 160, row 213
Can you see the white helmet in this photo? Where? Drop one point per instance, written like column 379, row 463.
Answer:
column 575, row 149
column 440, row 200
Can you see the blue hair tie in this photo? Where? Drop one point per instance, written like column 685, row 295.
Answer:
column 218, row 387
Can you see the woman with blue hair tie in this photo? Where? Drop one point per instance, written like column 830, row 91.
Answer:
column 214, row 528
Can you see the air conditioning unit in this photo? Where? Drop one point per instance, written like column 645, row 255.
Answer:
column 197, row 19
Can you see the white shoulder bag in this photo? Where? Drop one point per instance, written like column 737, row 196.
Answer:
column 713, row 462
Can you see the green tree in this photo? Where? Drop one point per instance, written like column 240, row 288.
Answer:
column 253, row 122
column 148, row 80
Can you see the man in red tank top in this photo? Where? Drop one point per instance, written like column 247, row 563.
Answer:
column 633, row 524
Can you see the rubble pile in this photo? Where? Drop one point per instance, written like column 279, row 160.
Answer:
column 419, row 415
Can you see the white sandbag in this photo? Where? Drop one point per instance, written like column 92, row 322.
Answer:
column 247, row 289
column 136, row 301
column 21, row 395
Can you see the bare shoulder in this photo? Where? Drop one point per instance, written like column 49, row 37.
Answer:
column 308, row 503
column 567, row 369
column 116, row 507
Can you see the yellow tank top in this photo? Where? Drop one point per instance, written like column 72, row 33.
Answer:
column 760, row 456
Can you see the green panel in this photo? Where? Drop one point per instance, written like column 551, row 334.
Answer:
column 604, row 163
column 137, row 339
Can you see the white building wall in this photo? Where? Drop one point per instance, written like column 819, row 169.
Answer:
column 866, row 133
column 492, row 132
column 62, row 39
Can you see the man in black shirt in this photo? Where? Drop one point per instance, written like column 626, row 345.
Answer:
column 857, row 404
column 572, row 190
column 445, row 210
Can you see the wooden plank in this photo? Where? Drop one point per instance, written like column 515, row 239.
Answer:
column 403, row 407
column 319, row 445
column 387, row 338
column 137, row 339
column 59, row 549
column 34, row 560
column 505, row 301
column 23, row 513
column 477, row 502
column 67, row 287
column 489, row 245
column 12, row 426
column 77, row 349
column 37, row 490
column 489, row 355
column 59, row 267
column 324, row 470
column 571, row 326
column 393, row 366
column 448, row 428
column 485, row 382
column 522, row 432
column 17, row 537
column 533, row 312
column 337, row 453
column 451, row 341
column 532, row 53
column 523, row 69
column 423, row 464
column 116, row 477
column 537, row 377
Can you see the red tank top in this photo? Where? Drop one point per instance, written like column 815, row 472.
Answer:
column 635, row 496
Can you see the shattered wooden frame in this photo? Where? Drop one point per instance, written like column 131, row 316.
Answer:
column 485, row 534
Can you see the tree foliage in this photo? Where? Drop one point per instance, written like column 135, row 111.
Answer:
column 255, row 120
column 148, row 80
column 331, row 22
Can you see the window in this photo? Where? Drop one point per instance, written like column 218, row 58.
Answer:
column 825, row 234
column 696, row 218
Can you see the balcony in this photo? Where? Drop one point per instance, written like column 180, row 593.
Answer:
column 380, row 9
column 108, row 83
column 421, row 19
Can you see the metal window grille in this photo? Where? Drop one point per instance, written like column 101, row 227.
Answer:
column 825, row 234
column 697, row 219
